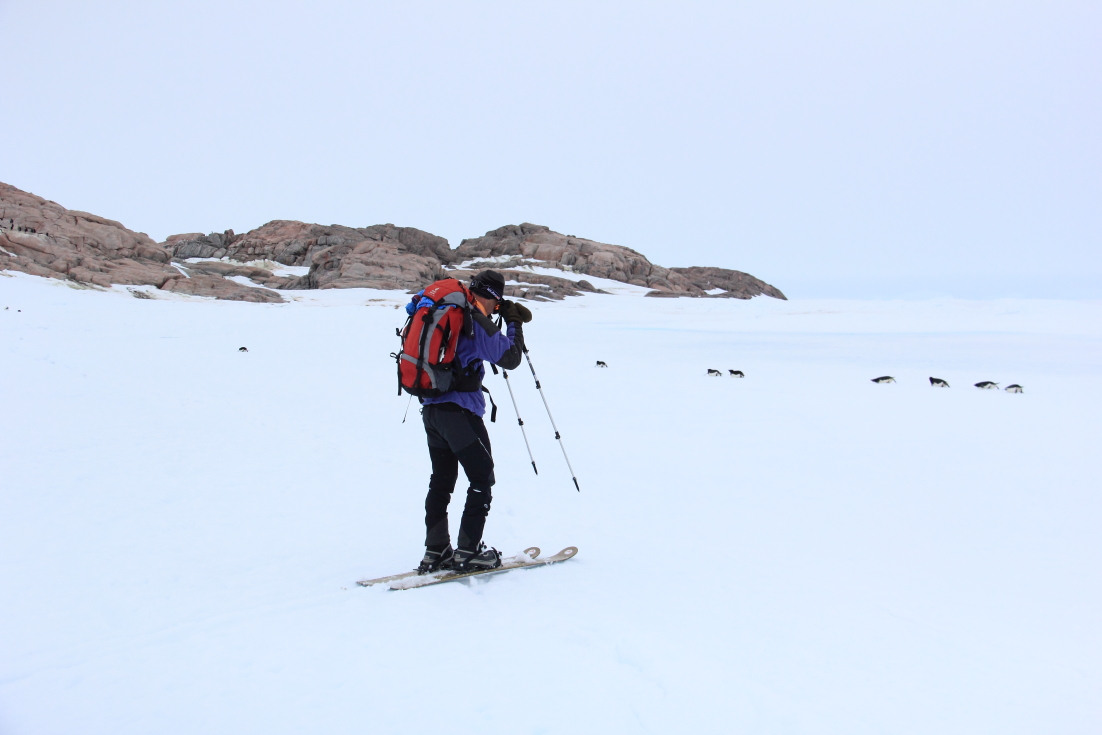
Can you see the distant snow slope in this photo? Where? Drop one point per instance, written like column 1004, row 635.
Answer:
column 802, row 551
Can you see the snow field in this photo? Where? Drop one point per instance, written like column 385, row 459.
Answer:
column 800, row 551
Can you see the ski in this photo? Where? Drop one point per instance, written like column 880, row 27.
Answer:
column 531, row 552
column 517, row 562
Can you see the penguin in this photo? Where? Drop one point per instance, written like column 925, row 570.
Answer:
column 884, row 379
column 987, row 385
column 716, row 373
column 736, row 374
column 601, row 363
column 938, row 383
column 242, row 349
column 1014, row 388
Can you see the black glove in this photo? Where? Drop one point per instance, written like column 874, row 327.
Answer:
column 511, row 311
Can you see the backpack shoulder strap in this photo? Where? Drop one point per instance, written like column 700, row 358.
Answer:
column 485, row 322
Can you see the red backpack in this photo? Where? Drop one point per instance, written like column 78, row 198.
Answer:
column 426, row 364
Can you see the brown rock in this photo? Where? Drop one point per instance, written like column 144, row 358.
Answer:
column 90, row 249
column 75, row 245
column 220, row 288
column 736, row 284
column 554, row 250
column 380, row 256
column 528, row 242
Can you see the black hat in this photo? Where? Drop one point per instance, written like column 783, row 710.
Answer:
column 489, row 285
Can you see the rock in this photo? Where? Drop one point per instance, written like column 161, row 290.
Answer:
column 195, row 249
column 89, row 249
column 75, row 245
column 550, row 249
column 380, row 256
column 382, row 263
column 93, row 250
column 736, row 284
column 173, row 239
column 220, row 288
column 528, row 243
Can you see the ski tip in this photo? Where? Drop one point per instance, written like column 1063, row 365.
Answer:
column 576, row 487
column 373, row 582
column 534, row 468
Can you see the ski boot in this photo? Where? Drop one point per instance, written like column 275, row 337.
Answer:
column 476, row 561
column 436, row 560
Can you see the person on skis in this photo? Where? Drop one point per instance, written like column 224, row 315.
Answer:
column 457, row 434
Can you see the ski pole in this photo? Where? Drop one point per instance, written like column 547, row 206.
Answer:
column 407, row 408
column 513, row 398
column 520, row 421
column 556, row 428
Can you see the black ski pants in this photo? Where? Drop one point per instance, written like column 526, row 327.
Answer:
column 457, row 437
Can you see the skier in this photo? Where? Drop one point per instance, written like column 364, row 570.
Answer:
column 457, row 435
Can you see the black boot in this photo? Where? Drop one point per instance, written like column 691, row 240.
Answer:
column 436, row 559
column 473, row 561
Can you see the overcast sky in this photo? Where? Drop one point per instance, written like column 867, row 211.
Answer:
column 833, row 149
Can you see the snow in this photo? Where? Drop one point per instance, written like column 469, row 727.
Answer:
column 245, row 281
column 467, row 264
column 277, row 269
column 800, row 551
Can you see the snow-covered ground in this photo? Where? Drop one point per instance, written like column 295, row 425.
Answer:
column 801, row 551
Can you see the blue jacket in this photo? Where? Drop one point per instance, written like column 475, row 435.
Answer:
column 487, row 343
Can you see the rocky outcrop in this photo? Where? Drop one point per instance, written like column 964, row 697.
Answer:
column 735, row 284
column 381, row 256
column 579, row 255
column 43, row 238
column 221, row 288
column 222, row 269
column 539, row 245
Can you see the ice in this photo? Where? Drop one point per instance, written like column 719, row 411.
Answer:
column 800, row 551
